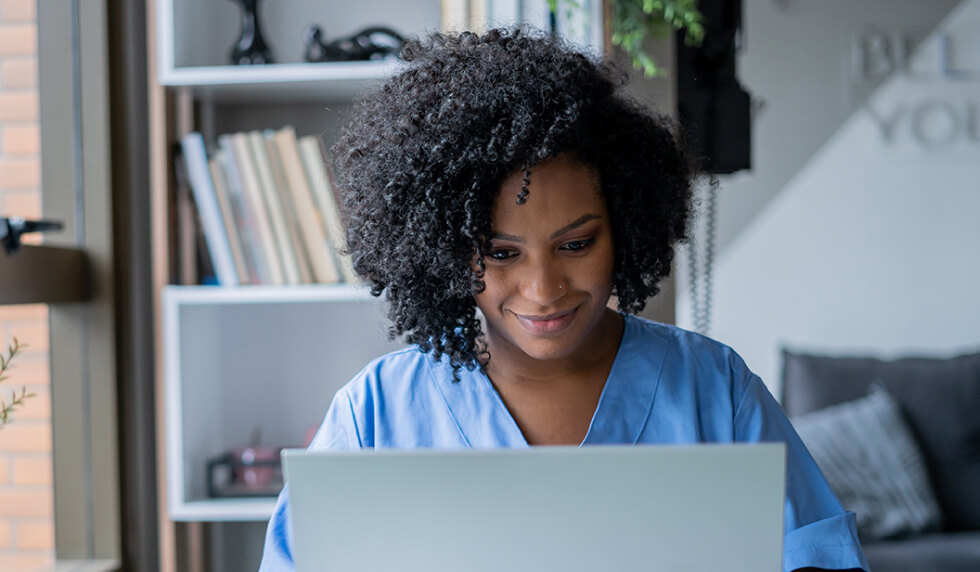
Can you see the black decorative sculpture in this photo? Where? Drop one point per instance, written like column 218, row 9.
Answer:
column 250, row 47
column 369, row 44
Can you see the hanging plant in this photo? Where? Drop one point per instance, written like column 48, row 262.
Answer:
column 634, row 20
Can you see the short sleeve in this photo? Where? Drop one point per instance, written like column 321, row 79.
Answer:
column 337, row 432
column 818, row 531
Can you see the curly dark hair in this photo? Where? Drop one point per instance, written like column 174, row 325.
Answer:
column 423, row 158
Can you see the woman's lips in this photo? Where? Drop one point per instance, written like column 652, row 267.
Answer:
column 549, row 324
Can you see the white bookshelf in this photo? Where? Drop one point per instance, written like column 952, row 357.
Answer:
column 200, row 33
column 235, row 358
column 238, row 359
column 195, row 37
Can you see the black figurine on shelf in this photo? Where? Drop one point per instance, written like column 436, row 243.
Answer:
column 250, row 47
column 369, row 44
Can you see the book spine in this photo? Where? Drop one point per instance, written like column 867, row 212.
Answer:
column 455, row 15
column 289, row 208
column 324, row 268
column 326, row 202
column 240, row 218
column 255, row 204
column 230, row 218
column 248, row 224
column 478, row 16
column 274, row 207
column 199, row 174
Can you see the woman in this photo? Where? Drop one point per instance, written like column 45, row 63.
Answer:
column 506, row 173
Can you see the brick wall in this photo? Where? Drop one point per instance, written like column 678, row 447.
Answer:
column 26, row 497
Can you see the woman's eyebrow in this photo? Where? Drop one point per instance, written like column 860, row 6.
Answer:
column 572, row 225
column 505, row 236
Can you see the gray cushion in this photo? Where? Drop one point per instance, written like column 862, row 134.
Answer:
column 947, row 552
column 871, row 461
column 940, row 398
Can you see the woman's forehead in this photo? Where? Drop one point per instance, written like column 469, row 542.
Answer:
column 561, row 190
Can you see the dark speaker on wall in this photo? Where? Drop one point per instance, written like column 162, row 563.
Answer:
column 714, row 109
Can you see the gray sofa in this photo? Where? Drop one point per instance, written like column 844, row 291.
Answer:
column 940, row 399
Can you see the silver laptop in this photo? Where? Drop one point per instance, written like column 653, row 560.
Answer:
column 694, row 508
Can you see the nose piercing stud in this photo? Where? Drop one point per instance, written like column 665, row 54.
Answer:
column 560, row 286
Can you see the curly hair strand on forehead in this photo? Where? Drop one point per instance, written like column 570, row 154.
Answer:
column 422, row 160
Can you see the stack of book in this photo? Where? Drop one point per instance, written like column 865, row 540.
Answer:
column 267, row 209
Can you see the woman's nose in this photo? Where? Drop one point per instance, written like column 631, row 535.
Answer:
column 544, row 284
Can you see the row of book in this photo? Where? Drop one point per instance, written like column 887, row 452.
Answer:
column 266, row 208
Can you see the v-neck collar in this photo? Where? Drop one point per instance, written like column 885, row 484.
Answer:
column 627, row 398
column 620, row 416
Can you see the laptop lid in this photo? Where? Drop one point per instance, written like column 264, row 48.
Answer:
column 693, row 508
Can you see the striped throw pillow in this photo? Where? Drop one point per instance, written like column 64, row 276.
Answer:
column 871, row 461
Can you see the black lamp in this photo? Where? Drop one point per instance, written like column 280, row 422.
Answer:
column 714, row 109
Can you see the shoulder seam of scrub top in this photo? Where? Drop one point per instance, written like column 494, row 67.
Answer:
column 353, row 419
column 433, row 364
column 746, row 390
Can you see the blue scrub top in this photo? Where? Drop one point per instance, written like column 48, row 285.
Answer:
column 666, row 385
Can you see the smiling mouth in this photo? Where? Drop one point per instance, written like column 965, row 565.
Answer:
column 548, row 324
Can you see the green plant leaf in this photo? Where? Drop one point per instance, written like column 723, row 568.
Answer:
column 633, row 20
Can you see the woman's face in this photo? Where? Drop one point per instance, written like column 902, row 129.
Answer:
column 549, row 274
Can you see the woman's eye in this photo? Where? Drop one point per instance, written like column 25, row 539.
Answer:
column 577, row 245
column 501, row 254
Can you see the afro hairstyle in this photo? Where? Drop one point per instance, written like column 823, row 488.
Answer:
column 422, row 160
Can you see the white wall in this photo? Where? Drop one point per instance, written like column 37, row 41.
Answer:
column 874, row 244
column 796, row 63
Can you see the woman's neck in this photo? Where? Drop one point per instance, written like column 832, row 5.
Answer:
column 594, row 357
column 553, row 401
